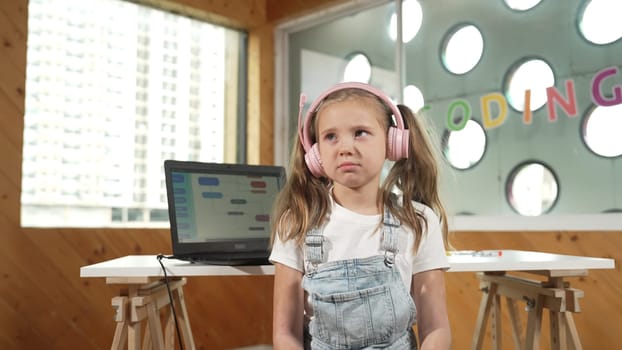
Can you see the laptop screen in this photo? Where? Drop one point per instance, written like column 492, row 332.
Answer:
column 221, row 211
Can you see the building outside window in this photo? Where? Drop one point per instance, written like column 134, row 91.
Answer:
column 113, row 88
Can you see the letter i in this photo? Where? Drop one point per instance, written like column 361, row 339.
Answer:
column 527, row 108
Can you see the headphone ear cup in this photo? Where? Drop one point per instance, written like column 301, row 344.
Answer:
column 313, row 161
column 397, row 143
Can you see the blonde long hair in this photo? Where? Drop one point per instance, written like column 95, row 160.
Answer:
column 304, row 202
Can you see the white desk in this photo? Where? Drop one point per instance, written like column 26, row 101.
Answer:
column 143, row 272
column 459, row 261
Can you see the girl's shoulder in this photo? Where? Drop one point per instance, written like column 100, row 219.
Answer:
column 425, row 210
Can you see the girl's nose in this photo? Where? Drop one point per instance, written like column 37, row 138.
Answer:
column 346, row 145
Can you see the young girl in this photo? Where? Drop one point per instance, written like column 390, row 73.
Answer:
column 356, row 263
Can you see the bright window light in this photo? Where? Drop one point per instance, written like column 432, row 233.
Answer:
column 601, row 130
column 106, row 104
column 413, row 98
column 532, row 189
column 465, row 148
column 534, row 75
column 463, row 49
column 358, row 69
column 522, row 5
column 411, row 21
column 599, row 22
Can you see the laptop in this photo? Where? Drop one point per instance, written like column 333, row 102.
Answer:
column 220, row 213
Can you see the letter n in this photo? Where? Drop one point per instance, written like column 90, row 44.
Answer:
column 569, row 106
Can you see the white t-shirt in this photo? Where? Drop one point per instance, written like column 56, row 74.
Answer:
column 349, row 235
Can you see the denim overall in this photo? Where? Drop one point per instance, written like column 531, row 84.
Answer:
column 358, row 303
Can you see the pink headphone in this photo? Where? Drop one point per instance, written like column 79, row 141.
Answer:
column 397, row 139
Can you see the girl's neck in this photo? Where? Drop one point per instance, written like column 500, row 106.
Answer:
column 362, row 201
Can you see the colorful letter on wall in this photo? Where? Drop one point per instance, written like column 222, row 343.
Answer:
column 597, row 97
column 485, row 102
column 457, row 122
column 569, row 106
column 527, row 116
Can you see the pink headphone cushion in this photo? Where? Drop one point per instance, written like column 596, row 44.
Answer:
column 314, row 162
column 397, row 143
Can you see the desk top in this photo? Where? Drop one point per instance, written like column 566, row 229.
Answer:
column 520, row 260
column 459, row 261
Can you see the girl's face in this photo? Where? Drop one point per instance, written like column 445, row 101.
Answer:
column 352, row 139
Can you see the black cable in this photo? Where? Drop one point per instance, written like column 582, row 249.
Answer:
column 170, row 298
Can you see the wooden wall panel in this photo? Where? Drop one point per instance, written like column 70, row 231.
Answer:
column 243, row 14
column 11, row 128
column 44, row 304
column 13, row 37
column 278, row 10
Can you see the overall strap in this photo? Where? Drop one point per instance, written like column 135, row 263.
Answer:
column 389, row 237
column 314, row 250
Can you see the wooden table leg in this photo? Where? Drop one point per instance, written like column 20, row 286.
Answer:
column 496, row 323
column 489, row 290
column 143, row 301
column 186, row 330
column 169, row 330
column 120, row 304
column 534, row 324
column 572, row 333
column 516, row 324
column 155, row 327
column 558, row 330
column 133, row 335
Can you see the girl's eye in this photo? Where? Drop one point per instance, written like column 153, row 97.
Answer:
column 360, row 133
column 330, row 137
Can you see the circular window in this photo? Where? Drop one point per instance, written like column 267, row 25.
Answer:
column 357, row 69
column 534, row 75
column 462, row 49
column 465, row 148
column 522, row 5
column 413, row 98
column 411, row 21
column 599, row 21
column 601, row 130
column 532, row 189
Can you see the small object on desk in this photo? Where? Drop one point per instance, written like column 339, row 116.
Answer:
column 476, row 253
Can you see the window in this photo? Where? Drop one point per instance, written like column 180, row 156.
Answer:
column 412, row 16
column 530, row 75
column 106, row 104
column 463, row 149
column 357, row 69
column 532, row 189
column 601, row 130
column 599, row 21
column 522, row 5
column 413, row 98
column 462, row 49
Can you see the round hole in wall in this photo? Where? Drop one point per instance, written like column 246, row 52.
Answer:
column 413, row 98
column 522, row 5
column 412, row 16
column 532, row 74
column 532, row 189
column 600, row 130
column 463, row 149
column 599, row 21
column 462, row 48
column 358, row 68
